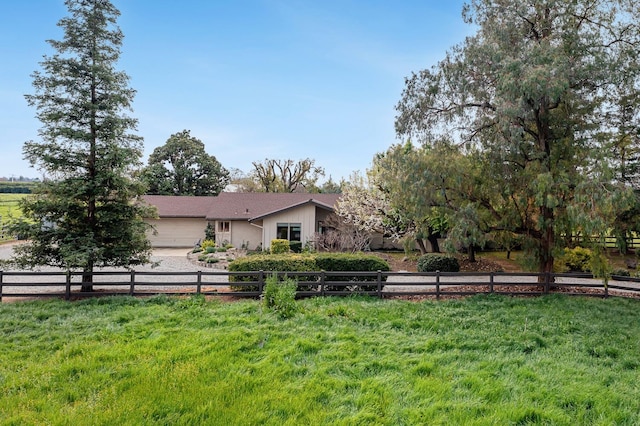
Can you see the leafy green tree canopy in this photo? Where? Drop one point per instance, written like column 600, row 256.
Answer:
column 87, row 212
column 531, row 96
column 182, row 167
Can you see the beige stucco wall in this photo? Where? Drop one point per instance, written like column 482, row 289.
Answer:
column 186, row 232
column 243, row 232
column 177, row 232
column 321, row 215
column 305, row 216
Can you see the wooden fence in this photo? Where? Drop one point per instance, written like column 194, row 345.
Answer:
column 610, row 242
column 67, row 285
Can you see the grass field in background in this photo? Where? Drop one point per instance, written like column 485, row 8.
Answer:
column 9, row 206
column 475, row 361
column 9, row 209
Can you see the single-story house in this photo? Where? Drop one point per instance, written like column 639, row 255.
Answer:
column 249, row 220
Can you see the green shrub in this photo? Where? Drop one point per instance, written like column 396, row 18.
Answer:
column 279, row 246
column 574, row 260
column 272, row 263
column 351, row 263
column 210, row 249
column 280, row 296
column 206, row 244
column 203, row 258
column 221, row 249
column 310, row 263
column 213, row 260
column 432, row 262
column 621, row 272
column 210, row 232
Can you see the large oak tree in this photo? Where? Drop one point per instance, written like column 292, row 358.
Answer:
column 182, row 167
column 88, row 212
column 530, row 96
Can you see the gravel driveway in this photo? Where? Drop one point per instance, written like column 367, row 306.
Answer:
column 171, row 261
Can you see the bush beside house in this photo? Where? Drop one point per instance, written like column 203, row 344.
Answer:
column 329, row 262
column 351, row 263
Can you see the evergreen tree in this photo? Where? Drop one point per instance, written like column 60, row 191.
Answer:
column 88, row 212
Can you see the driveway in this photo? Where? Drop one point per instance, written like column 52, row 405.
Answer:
column 170, row 260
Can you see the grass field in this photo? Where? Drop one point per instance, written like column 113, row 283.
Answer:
column 9, row 209
column 9, row 205
column 485, row 360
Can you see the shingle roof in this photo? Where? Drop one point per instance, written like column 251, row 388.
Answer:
column 236, row 205
column 172, row 206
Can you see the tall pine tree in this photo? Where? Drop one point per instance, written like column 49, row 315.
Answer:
column 88, row 211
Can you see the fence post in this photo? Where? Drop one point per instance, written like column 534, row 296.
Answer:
column 261, row 281
column 379, row 282
column 1, row 282
column 132, row 284
column 199, row 285
column 437, row 284
column 323, row 289
column 67, row 292
column 491, row 282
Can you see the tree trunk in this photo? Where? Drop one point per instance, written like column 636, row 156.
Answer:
column 472, row 253
column 87, row 280
column 433, row 240
column 546, row 245
column 421, row 246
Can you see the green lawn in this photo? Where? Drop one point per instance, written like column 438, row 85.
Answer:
column 485, row 360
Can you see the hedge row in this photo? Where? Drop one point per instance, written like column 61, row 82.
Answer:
column 329, row 262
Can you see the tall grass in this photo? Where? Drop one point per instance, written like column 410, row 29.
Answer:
column 482, row 360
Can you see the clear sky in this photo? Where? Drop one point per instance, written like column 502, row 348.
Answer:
column 252, row 79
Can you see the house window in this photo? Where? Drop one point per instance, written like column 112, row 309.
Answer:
column 289, row 231
column 224, row 226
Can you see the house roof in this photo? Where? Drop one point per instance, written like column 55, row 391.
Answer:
column 237, row 205
column 301, row 203
column 172, row 206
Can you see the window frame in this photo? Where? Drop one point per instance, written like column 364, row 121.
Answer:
column 223, row 226
column 291, row 229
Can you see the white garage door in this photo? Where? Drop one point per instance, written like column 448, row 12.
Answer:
column 177, row 232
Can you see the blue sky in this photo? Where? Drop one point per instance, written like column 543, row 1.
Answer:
column 252, row 79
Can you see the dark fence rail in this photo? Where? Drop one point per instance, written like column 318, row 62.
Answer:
column 67, row 285
column 610, row 242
